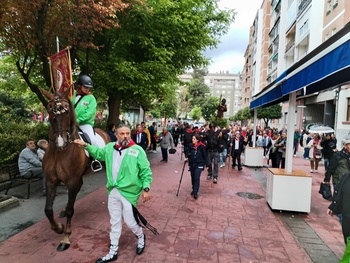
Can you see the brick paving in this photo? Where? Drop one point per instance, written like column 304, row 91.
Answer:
column 220, row 226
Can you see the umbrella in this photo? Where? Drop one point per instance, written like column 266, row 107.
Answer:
column 320, row 129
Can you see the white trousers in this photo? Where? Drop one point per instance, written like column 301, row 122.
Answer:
column 119, row 207
column 89, row 130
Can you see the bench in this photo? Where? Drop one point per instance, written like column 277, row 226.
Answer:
column 14, row 175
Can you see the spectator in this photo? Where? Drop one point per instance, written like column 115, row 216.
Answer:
column 29, row 164
column 315, row 153
column 340, row 205
column 281, row 150
column 307, row 137
column 140, row 137
column 223, row 146
column 329, row 146
column 85, row 109
column 197, row 161
column 296, row 141
column 111, row 132
column 128, row 176
column 176, row 134
column 153, row 133
column 273, row 149
column 42, row 144
column 145, row 129
column 339, row 166
column 237, row 145
column 165, row 140
column 266, row 144
column 186, row 139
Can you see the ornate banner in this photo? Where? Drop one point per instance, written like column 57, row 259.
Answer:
column 61, row 71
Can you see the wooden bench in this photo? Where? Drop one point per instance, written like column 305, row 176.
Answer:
column 14, row 175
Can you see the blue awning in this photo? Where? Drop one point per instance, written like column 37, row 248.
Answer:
column 325, row 67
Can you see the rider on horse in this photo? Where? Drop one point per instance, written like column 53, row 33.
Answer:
column 85, row 110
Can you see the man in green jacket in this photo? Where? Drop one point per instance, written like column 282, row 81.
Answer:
column 128, row 176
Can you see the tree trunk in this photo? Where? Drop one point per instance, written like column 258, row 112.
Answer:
column 114, row 102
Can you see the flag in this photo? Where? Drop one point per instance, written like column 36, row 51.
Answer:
column 61, row 71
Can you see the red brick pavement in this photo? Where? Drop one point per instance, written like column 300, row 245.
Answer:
column 219, row 226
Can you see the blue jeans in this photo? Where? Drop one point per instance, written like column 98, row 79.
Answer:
column 223, row 156
column 214, row 158
column 195, row 178
column 326, row 164
column 306, row 152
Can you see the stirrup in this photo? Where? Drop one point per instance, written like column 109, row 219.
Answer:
column 96, row 166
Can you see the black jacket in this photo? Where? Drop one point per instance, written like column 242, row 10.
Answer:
column 198, row 156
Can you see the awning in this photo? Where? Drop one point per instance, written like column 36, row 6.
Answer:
column 325, row 67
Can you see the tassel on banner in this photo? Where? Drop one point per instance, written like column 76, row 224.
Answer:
column 61, row 71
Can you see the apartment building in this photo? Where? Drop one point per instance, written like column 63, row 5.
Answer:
column 307, row 39
column 225, row 85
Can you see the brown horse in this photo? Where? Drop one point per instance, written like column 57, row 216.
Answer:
column 64, row 161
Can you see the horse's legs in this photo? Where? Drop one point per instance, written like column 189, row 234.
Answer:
column 50, row 197
column 72, row 195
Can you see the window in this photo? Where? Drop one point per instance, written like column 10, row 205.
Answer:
column 348, row 110
column 335, row 3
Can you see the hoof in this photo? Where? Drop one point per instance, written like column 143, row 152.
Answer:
column 62, row 214
column 62, row 247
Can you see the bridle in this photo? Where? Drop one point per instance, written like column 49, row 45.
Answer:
column 60, row 107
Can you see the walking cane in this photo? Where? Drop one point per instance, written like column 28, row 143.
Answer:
column 183, row 169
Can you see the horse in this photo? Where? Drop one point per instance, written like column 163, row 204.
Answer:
column 64, row 161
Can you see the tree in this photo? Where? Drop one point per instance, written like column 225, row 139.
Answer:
column 208, row 107
column 153, row 45
column 269, row 113
column 29, row 30
column 196, row 113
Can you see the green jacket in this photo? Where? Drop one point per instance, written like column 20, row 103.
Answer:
column 85, row 109
column 338, row 166
column 134, row 174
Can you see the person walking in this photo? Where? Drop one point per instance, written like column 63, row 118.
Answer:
column 280, row 145
column 85, row 109
column 111, row 132
column 338, row 167
column 329, row 147
column 212, row 138
column 198, row 160
column 128, row 176
column 315, row 153
column 237, row 145
column 165, row 140
column 140, row 137
column 153, row 133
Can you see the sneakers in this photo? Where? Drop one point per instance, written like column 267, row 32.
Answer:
column 311, row 171
column 208, row 177
column 154, row 151
column 215, row 181
column 141, row 244
column 96, row 166
column 111, row 256
column 222, row 165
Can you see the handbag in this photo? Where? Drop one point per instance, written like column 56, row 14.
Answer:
column 325, row 191
column 318, row 154
column 172, row 151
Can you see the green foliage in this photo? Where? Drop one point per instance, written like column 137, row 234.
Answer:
column 196, row 113
column 269, row 113
column 13, row 109
column 219, row 122
column 209, row 106
column 242, row 115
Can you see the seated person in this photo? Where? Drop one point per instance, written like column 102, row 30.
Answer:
column 42, row 144
column 29, row 164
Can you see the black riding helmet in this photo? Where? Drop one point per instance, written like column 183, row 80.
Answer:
column 85, row 80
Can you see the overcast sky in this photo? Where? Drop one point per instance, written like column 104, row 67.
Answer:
column 229, row 54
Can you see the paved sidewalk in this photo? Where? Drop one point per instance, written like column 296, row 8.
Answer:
column 223, row 225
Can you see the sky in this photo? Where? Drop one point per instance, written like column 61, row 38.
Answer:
column 229, row 54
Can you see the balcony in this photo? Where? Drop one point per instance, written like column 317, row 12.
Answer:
column 289, row 45
column 302, row 6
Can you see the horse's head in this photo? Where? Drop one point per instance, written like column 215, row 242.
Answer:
column 62, row 118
